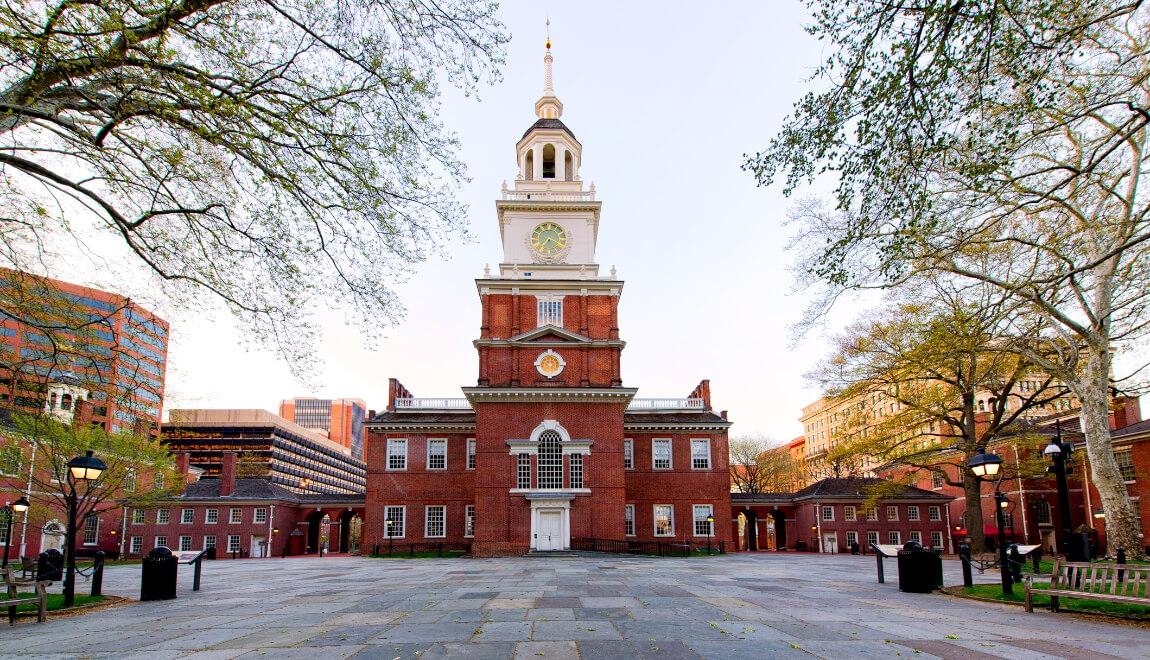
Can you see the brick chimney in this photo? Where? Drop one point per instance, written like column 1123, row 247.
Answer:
column 228, row 473
column 83, row 413
column 142, row 427
column 1126, row 411
column 183, row 465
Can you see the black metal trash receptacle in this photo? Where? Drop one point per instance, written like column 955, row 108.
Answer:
column 210, row 553
column 919, row 570
column 50, row 565
column 158, row 580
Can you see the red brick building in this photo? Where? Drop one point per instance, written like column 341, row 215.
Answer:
column 548, row 447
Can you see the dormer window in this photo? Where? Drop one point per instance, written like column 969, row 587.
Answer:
column 548, row 161
column 66, row 402
column 549, row 311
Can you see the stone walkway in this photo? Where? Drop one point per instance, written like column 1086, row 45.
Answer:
column 738, row 606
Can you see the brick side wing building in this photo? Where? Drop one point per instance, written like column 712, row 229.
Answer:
column 548, row 447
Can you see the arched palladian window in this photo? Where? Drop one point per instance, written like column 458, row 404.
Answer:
column 550, row 461
column 66, row 402
column 529, row 165
column 548, row 161
column 568, row 167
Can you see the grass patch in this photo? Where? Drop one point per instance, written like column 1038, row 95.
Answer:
column 1042, row 601
column 55, row 602
column 446, row 554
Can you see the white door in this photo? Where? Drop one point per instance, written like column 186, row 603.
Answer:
column 52, row 537
column 550, row 530
column 258, row 549
column 830, row 543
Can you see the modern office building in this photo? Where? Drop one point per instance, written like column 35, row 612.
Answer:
column 109, row 346
column 268, row 446
column 340, row 419
column 548, row 449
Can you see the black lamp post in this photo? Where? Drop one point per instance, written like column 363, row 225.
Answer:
column 86, row 468
column 710, row 532
column 1059, row 452
column 987, row 466
column 10, row 511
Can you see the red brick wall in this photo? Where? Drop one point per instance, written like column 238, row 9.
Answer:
column 809, row 513
column 681, row 486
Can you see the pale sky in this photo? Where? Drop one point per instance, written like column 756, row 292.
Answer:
column 665, row 97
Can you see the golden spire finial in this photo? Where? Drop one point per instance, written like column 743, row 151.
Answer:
column 548, row 33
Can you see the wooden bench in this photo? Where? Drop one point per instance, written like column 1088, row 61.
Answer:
column 40, row 598
column 1119, row 583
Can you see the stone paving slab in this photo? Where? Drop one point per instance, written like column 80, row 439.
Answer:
column 586, row 608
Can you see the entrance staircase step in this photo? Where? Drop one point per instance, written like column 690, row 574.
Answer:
column 553, row 553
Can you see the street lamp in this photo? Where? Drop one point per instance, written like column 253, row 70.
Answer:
column 987, row 466
column 1059, row 453
column 710, row 532
column 10, row 511
column 86, row 468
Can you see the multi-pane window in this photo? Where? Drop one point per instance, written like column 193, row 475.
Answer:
column 828, row 513
column 185, row 543
column 893, row 538
column 437, row 454
column 1125, row 460
column 471, row 454
column 469, row 521
column 158, row 482
column 850, row 514
column 161, row 542
column 576, row 462
column 661, row 453
column 235, row 516
column 187, row 516
column 260, row 515
column 130, row 481
column 233, row 542
column 163, row 516
column 1042, row 512
column 936, row 540
column 936, row 480
column 629, row 520
column 212, row 516
column 136, row 545
column 138, row 516
column 700, row 454
column 872, row 538
column 912, row 513
column 916, row 537
column 550, row 459
column 892, row 513
column 872, row 515
column 91, row 529
column 550, row 312
column 396, row 454
column 664, row 520
column 209, row 541
column 434, row 522
column 393, row 517
column 852, row 538
column 935, row 513
column 523, row 471
column 628, row 454
column 704, row 520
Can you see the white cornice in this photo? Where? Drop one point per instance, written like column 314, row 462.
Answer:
column 541, row 394
column 672, row 426
column 569, row 287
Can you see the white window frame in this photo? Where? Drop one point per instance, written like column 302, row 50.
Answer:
column 235, row 516
column 1124, row 456
column 700, row 442
column 472, row 457
column 181, row 543
column 914, row 535
column 872, row 537
column 442, row 508
column 894, row 534
column 523, row 471
column 138, row 516
column 937, row 481
column 913, row 514
column 655, row 520
column 575, row 471
column 436, row 442
column 469, row 521
column 396, row 449
column 84, row 529
column 163, row 516
column 211, row 516
column 657, row 442
column 389, row 530
column 628, row 454
column 209, row 541
column 827, row 513
column 548, row 311
column 710, row 508
column 852, row 537
column 936, row 539
column 934, row 513
column 850, row 513
column 892, row 513
column 235, row 546
column 872, row 514
column 260, row 514
column 187, row 516
column 629, row 520
column 161, row 540
column 136, row 545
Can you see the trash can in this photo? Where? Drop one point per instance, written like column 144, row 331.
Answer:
column 919, row 570
column 210, row 553
column 158, row 580
column 50, row 565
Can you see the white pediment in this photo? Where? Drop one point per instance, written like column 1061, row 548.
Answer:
column 550, row 333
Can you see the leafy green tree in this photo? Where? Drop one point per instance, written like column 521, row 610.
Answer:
column 758, row 465
column 1001, row 142
column 272, row 154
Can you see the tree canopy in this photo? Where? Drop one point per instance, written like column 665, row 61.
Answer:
column 271, row 154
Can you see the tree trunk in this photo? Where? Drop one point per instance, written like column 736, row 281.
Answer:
column 974, row 532
column 1122, row 530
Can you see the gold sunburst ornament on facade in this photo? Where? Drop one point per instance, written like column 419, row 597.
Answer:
column 550, row 364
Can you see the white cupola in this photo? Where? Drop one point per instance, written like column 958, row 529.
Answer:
column 548, row 153
column 64, row 394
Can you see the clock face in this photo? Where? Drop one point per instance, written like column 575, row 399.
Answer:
column 548, row 238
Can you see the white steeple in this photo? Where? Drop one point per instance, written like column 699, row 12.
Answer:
column 548, row 106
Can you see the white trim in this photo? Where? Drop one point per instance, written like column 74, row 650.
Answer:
column 403, row 522
column 710, row 462
column 670, row 453
column 472, row 454
column 543, row 356
column 823, row 509
column 551, row 506
column 711, row 530
column 182, row 516
column 469, row 512
column 387, row 455
column 427, row 458
column 629, row 508
column 544, row 492
column 628, row 453
column 655, row 520
column 427, row 521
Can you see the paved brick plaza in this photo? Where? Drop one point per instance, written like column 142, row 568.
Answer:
column 738, row 606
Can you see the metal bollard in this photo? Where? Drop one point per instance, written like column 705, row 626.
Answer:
column 878, row 559
column 1036, row 559
column 98, row 574
column 1121, row 559
column 964, row 557
column 1015, row 564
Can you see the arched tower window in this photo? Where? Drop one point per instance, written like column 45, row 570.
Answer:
column 52, row 401
column 66, row 402
column 529, row 165
column 548, row 161
column 568, row 167
column 550, row 462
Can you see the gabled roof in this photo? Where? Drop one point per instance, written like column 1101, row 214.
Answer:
column 545, row 331
column 856, row 488
column 1134, row 429
column 246, row 489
